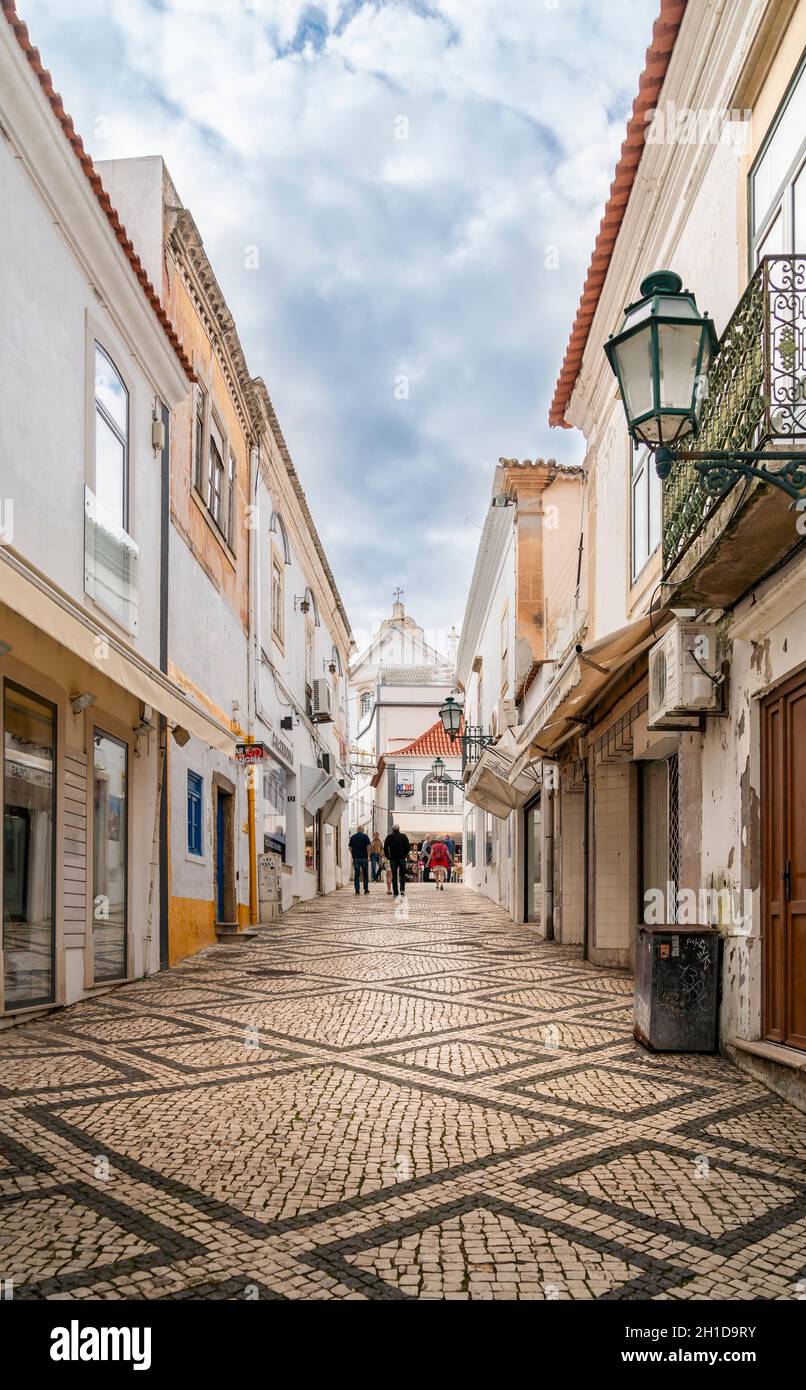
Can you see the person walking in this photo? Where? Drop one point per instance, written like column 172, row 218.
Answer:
column 359, row 848
column 425, row 856
column 441, row 862
column 375, row 852
column 396, row 847
column 450, row 846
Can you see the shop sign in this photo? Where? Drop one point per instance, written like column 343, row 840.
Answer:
column 285, row 751
column 249, row 753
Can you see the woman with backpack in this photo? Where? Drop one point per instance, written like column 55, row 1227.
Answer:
column 439, row 862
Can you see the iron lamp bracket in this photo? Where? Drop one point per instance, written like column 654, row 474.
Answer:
column 719, row 469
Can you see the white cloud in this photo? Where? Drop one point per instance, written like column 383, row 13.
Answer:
column 379, row 256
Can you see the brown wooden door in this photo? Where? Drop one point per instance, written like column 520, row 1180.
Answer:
column 783, row 763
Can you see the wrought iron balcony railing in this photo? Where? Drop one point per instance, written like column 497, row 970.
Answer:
column 474, row 742
column 756, row 391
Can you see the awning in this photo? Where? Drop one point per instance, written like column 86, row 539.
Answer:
column 317, row 788
column 583, row 678
column 26, row 594
column 333, row 810
column 494, row 784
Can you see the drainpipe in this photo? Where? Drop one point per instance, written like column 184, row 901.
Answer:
column 583, row 750
column 163, row 752
column 251, row 677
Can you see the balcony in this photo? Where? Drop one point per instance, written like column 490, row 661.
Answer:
column 110, row 564
column 473, row 745
column 715, row 547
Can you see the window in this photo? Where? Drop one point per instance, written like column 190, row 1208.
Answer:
column 277, row 597
column 109, row 856
column 195, row 845
column 645, row 509
column 309, row 664
column 215, row 482
column 366, row 703
column 274, row 810
column 778, row 180
column 437, row 794
column 29, row 845
column 310, row 841
column 230, row 516
column 214, row 468
column 198, row 453
column 111, row 440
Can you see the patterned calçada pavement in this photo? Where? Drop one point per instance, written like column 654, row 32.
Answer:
column 376, row 1101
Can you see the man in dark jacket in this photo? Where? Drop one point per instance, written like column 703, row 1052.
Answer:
column 396, row 847
column 359, row 848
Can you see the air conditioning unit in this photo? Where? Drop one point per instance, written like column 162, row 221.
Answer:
column 684, row 675
column 507, row 715
column 321, row 704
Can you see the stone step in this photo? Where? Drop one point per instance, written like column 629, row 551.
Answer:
column 230, row 931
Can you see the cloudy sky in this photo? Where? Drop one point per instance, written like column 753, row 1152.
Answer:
column 423, row 181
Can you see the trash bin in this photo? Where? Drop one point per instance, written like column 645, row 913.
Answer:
column 677, row 988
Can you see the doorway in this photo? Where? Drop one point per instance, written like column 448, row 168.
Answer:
column 783, row 855
column 224, row 851
column 533, row 825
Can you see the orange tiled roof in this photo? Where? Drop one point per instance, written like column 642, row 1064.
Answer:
column 658, row 55
column 20, row 31
column 434, row 741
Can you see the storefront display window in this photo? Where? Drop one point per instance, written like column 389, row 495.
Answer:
column 310, row 841
column 534, row 863
column 109, row 788
column 274, row 810
column 29, row 813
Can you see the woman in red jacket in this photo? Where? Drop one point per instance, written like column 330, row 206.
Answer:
column 440, row 862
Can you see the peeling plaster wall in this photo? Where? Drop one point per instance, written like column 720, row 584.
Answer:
column 731, row 808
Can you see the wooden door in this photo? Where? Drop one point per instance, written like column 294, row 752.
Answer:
column 783, row 809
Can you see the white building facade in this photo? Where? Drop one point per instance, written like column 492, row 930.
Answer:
column 522, row 614
column 704, row 811
column 397, row 685
column 92, row 371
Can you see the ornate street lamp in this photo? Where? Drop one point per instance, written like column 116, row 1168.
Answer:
column 661, row 358
column 440, row 775
column 451, row 715
column 473, row 740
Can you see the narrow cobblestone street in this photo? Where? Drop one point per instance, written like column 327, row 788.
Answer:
column 366, row 1104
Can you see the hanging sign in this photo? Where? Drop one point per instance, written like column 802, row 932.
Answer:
column 249, row 753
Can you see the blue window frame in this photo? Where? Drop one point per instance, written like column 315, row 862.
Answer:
column 194, row 813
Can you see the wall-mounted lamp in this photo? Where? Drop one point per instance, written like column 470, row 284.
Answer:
column 5, row 647
column 500, row 499
column 157, row 434
column 304, row 603
column 287, row 721
column 83, row 701
column 181, row 736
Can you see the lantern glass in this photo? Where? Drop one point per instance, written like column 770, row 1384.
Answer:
column 660, row 359
column 451, row 715
column 438, row 769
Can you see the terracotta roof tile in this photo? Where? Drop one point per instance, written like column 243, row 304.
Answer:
column 434, row 741
column 664, row 36
column 20, row 31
